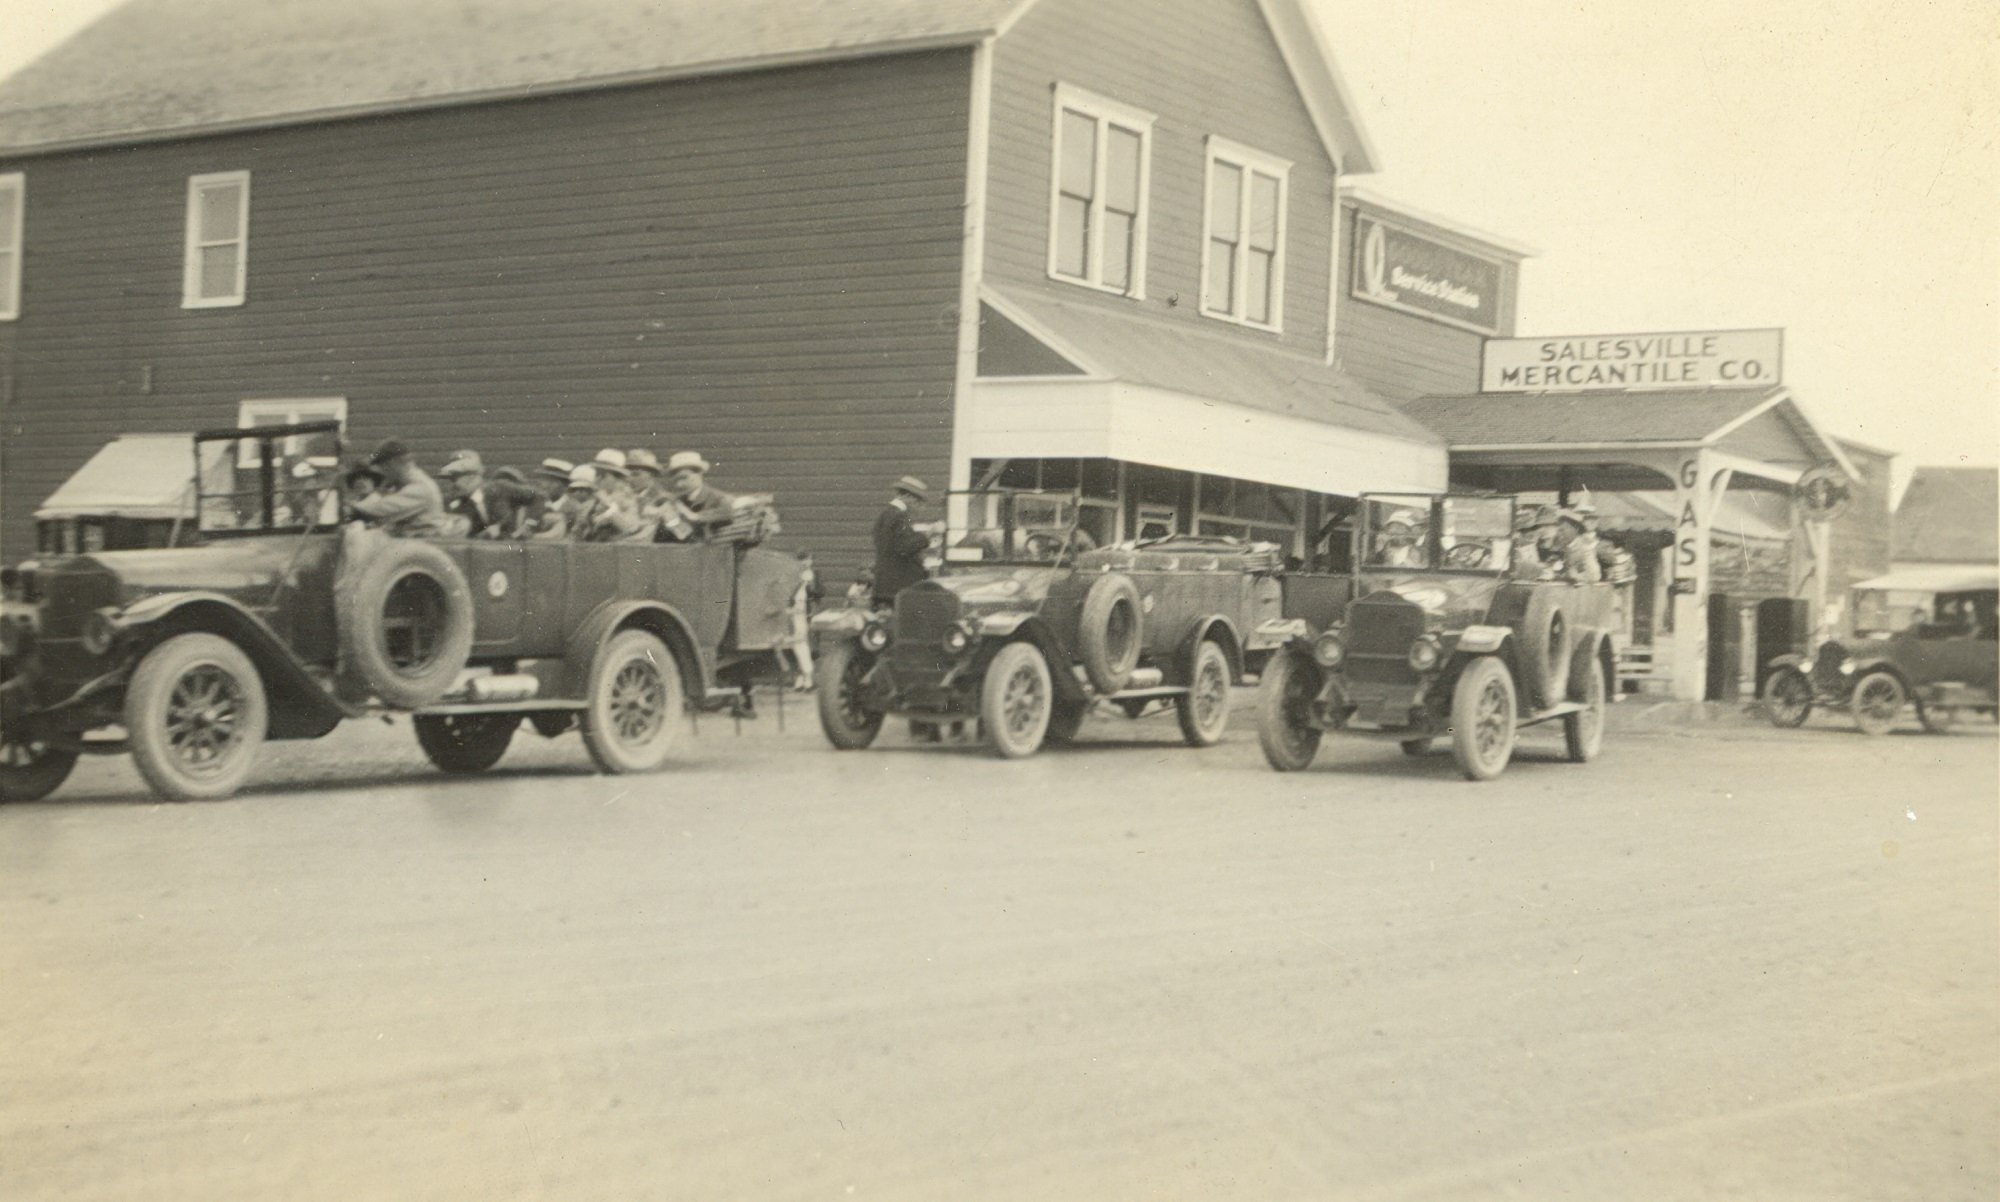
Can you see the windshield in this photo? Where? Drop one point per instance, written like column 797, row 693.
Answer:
column 1396, row 532
column 1006, row 526
column 1476, row 532
column 268, row 478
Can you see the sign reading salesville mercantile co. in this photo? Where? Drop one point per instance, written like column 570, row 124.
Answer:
column 1402, row 270
column 1701, row 359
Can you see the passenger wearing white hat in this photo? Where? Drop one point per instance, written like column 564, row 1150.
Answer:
column 698, row 508
column 596, row 508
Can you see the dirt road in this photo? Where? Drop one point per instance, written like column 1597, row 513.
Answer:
column 1719, row 963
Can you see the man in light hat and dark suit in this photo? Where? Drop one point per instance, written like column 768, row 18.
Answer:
column 493, row 508
column 699, row 508
column 899, row 545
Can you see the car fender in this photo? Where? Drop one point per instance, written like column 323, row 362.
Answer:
column 846, row 620
column 299, row 707
column 1223, row 631
column 1863, row 665
column 655, row 617
column 1032, row 628
column 1790, row 660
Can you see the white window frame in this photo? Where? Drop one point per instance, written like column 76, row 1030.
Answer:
column 1250, row 162
column 287, row 411
column 1104, row 112
column 192, row 245
column 11, row 244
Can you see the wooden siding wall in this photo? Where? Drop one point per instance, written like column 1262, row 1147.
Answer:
column 763, row 266
column 1401, row 355
column 1202, row 67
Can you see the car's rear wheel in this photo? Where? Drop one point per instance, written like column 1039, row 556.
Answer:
column 1937, row 719
column 1788, row 697
column 1285, row 694
column 848, row 723
column 1583, row 731
column 1483, row 710
column 463, row 744
column 637, row 716
column 195, row 714
column 1878, row 702
column 1016, row 701
column 31, row 769
column 1204, row 709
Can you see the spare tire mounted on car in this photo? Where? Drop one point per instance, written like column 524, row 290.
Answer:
column 405, row 618
column 1108, row 632
column 1544, row 649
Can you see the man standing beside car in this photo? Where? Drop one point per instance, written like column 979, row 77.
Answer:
column 409, row 503
column 899, row 545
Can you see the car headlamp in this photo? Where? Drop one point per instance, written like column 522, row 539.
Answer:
column 957, row 638
column 1847, row 667
column 874, row 637
column 1425, row 654
column 1328, row 650
column 99, row 632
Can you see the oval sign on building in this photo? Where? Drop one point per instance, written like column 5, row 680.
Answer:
column 1597, row 362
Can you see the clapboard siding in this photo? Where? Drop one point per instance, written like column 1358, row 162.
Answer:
column 762, row 266
column 1202, row 67
column 1401, row 355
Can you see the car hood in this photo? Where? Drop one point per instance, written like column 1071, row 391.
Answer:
column 246, row 568
column 999, row 587
column 1449, row 601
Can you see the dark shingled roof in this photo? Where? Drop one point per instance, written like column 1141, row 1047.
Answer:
column 153, row 66
column 1182, row 357
column 1949, row 515
column 1584, row 418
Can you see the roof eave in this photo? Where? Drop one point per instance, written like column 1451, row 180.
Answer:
column 735, row 66
column 1315, row 71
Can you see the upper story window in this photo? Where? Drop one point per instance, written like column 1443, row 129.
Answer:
column 13, row 213
column 1243, row 260
column 1097, row 192
column 218, row 240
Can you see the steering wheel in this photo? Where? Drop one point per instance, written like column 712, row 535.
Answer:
column 1043, row 546
column 1467, row 555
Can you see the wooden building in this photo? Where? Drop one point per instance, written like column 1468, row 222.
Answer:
column 1090, row 243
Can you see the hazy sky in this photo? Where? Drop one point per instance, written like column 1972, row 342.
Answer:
column 1828, row 166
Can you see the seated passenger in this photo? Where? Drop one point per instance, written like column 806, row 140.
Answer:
column 552, row 522
column 1400, row 542
column 409, row 504
column 1579, row 549
column 697, row 508
column 489, row 508
column 592, row 514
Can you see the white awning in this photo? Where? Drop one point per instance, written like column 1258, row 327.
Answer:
column 1936, row 578
column 1083, row 417
column 134, row 475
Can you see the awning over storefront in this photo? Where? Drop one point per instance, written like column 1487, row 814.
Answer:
column 1133, row 388
column 135, row 476
column 1936, row 578
column 1761, row 433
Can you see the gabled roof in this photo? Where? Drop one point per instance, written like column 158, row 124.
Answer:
column 153, row 67
column 1218, row 365
column 158, row 68
column 1950, row 515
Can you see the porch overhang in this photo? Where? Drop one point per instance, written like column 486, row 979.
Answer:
column 1098, row 418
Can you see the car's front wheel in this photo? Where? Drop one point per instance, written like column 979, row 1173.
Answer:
column 1878, row 702
column 637, row 715
column 1788, row 697
column 195, row 714
column 1483, row 709
column 31, row 769
column 847, row 722
column 1285, row 696
column 463, row 744
column 1016, row 701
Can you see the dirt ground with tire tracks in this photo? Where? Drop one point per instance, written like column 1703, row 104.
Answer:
column 1724, row 961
